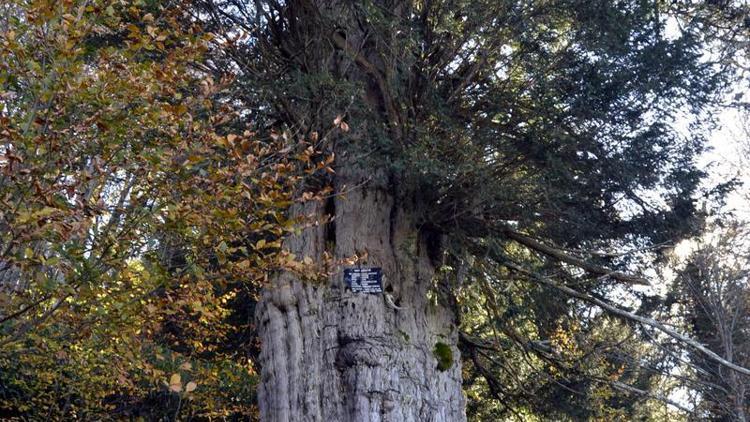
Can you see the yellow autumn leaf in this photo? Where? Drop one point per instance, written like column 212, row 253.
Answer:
column 175, row 383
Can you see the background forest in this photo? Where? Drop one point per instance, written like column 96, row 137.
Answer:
column 160, row 162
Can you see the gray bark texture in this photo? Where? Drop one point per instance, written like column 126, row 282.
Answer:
column 330, row 354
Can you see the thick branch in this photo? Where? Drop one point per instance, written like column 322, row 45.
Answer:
column 628, row 315
column 572, row 260
column 376, row 74
column 629, row 388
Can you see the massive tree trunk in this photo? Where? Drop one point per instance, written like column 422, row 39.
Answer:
column 331, row 354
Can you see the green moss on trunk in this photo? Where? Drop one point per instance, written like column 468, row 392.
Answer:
column 444, row 356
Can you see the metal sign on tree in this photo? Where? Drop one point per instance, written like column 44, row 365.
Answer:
column 364, row 279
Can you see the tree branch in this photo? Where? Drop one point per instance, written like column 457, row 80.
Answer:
column 629, row 388
column 376, row 74
column 556, row 253
column 627, row 315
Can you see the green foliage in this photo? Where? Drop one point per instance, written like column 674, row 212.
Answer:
column 712, row 287
column 140, row 212
column 552, row 119
column 132, row 220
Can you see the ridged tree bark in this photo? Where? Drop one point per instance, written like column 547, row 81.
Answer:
column 331, row 354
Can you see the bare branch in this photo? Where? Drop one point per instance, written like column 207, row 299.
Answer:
column 556, row 253
column 627, row 315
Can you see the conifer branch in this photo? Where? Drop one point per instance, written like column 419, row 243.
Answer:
column 626, row 315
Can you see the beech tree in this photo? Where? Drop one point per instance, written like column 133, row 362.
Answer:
column 479, row 145
column 132, row 216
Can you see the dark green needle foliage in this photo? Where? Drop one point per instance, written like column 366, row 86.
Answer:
column 534, row 142
column 576, row 123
